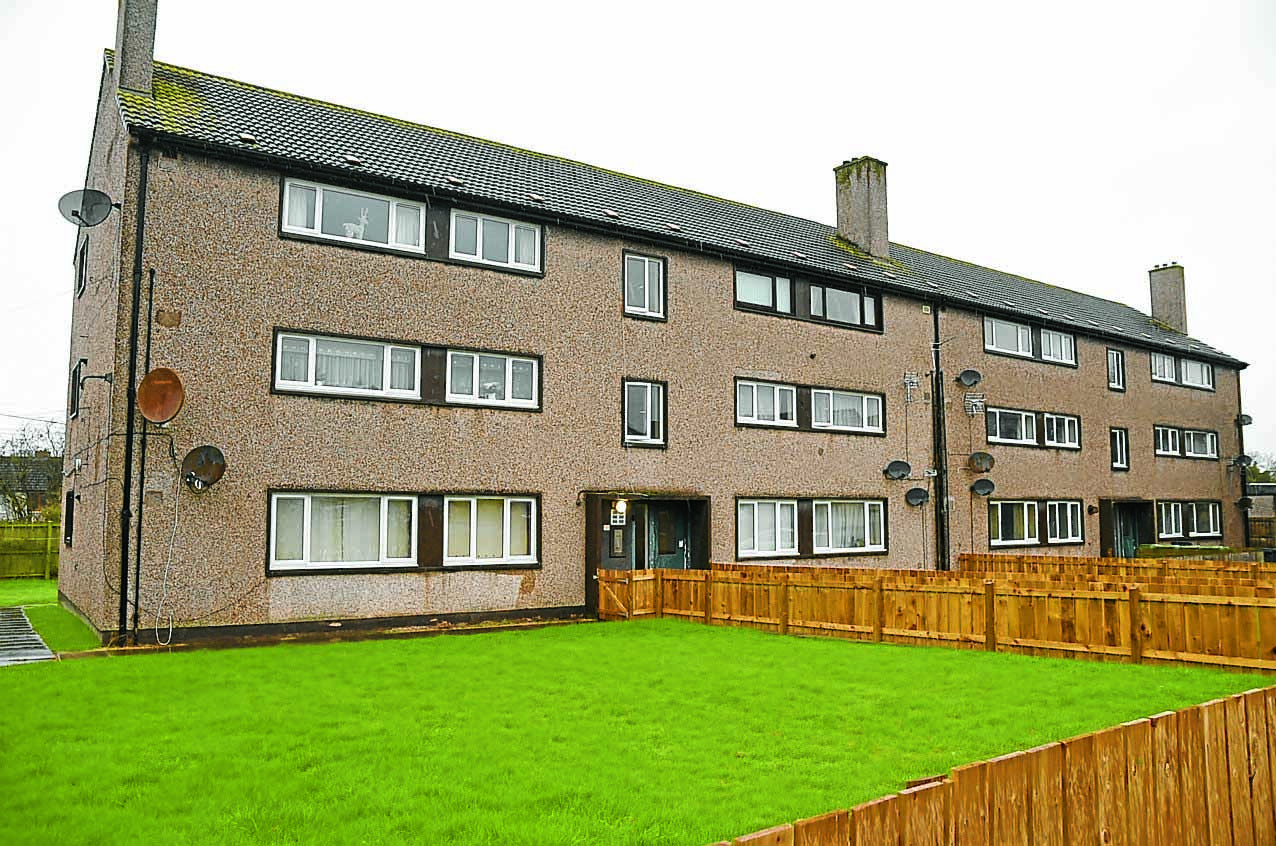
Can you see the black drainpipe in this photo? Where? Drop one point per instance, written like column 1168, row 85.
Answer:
column 939, row 428
column 141, row 470
column 1240, row 441
column 126, row 514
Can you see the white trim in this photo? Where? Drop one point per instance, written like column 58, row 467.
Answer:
column 507, row 557
column 1173, row 437
column 1021, row 331
column 1207, row 370
column 317, row 230
column 1032, row 525
column 996, row 413
column 1117, row 356
column 1121, row 460
column 1066, row 511
column 833, row 395
column 304, row 563
column 1069, row 343
column 1211, row 443
column 778, row 505
column 1071, row 426
column 511, row 246
column 311, row 387
column 655, row 399
column 647, row 283
column 473, row 398
column 1164, row 359
column 869, row 506
column 1176, row 519
column 1213, row 514
column 753, row 385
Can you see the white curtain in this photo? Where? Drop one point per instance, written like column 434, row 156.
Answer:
column 398, row 531
column 294, row 363
column 407, row 225
column 520, row 528
column 766, row 526
column 347, row 364
column 490, row 537
column 745, row 520
column 402, row 370
column 847, row 527
column 346, row 529
column 301, row 207
column 458, row 528
column 289, row 513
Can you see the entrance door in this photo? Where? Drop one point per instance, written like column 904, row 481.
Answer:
column 1132, row 526
column 668, row 541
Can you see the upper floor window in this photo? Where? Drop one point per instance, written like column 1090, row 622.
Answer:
column 76, row 388
column 644, row 413
column 843, row 410
column 1004, row 336
column 1062, row 430
column 496, row 241
column 489, row 530
column 355, row 217
column 1059, row 347
column 765, row 404
column 766, row 527
column 326, row 365
column 1063, row 522
column 848, row 526
column 1120, row 439
column 764, row 291
column 1116, row 370
column 341, row 530
column 1011, row 427
column 82, row 267
column 1167, row 440
column 1198, row 444
column 1163, row 369
column 1196, row 374
column 492, row 379
column 1202, row 519
column 644, row 286
column 1012, row 523
column 837, row 305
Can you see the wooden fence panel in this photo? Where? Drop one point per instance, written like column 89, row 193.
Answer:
column 1240, row 794
column 1009, row 791
column 832, row 829
column 923, row 812
column 1109, row 753
column 970, row 811
column 1045, row 774
column 1140, row 783
column 781, row 835
column 1192, row 777
column 1166, row 791
column 1218, row 806
column 1080, row 819
column 876, row 823
column 1261, row 742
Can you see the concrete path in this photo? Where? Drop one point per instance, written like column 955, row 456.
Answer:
column 19, row 644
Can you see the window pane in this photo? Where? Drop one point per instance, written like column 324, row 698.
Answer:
column 873, row 417
column 1052, row 520
column 870, row 311
column 822, row 412
column 407, row 225
column 349, row 364
column 783, row 294
column 521, row 380
column 848, row 410
column 766, row 527
column 289, row 542
column 465, row 234
column 636, row 410
column 492, row 377
column 490, row 537
column 843, row 306
column 752, row 288
column 458, row 528
column 355, row 216
column 875, row 524
column 1029, row 427
column 847, row 529
column 766, row 402
column 346, row 529
column 521, row 528
column 398, row 528
column 402, row 370
column 821, row 533
column 744, row 520
column 787, row 526
column 294, row 363
column 744, row 400
column 525, row 245
column 657, row 413
column 301, row 207
column 496, row 241
column 787, row 412
column 655, row 287
column 462, row 374
column 817, row 301
column 635, row 283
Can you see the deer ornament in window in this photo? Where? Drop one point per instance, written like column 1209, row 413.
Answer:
column 355, row 230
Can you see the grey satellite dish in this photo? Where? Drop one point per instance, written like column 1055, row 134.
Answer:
column 1244, row 420
column 970, row 378
column 86, row 207
column 898, row 470
column 203, row 467
column 1242, row 460
column 1245, row 503
column 981, row 462
column 983, row 487
column 917, row 496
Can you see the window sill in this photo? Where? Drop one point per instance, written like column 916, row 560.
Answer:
column 644, row 445
column 363, row 246
column 466, row 402
column 532, row 273
column 761, row 424
column 1015, row 543
column 749, row 308
column 495, row 565
column 650, row 318
column 362, row 570
column 1022, row 357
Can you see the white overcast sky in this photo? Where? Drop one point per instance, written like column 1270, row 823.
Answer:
column 1075, row 143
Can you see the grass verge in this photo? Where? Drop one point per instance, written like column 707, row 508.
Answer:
column 61, row 630
column 28, row 592
column 653, row 732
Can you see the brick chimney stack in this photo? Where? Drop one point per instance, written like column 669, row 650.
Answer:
column 861, row 204
column 135, row 45
column 1169, row 295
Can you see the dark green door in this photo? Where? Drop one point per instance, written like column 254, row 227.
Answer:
column 668, row 543
column 1127, row 531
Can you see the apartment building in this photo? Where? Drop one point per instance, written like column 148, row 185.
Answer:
column 452, row 378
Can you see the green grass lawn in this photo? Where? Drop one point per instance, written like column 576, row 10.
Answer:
column 61, row 630
column 645, row 732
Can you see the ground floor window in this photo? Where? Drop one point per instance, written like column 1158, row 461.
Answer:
column 489, row 530
column 848, row 526
column 1202, row 519
column 1170, row 522
column 1063, row 522
column 1012, row 523
column 341, row 530
column 766, row 527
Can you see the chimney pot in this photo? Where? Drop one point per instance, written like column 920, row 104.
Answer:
column 1169, row 295
column 861, row 204
column 135, row 45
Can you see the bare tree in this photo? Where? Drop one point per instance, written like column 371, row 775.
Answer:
column 1264, row 467
column 31, row 470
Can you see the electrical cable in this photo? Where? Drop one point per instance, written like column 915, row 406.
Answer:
column 168, row 566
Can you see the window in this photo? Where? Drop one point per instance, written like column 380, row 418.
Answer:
column 644, row 413
column 1011, row 427
column 1163, row 368
column 1120, row 448
column 1167, row 440
column 842, row 410
column 765, row 404
column 68, row 519
column 644, row 286
column 1202, row 519
column 1116, row 370
column 1196, row 374
column 848, row 526
column 324, row 365
column 1012, row 523
column 489, row 530
column 1062, row 431
column 837, row 305
column 314, row 531
column 76, row 387
column 766, row 527
column 495, row 240
column 82, row 267
column 1063, row 522
column 1171, row 519
column 478, row 378
column 1059, row 347
column 353, row 217
column 1197, row 444
column 769, row 292
column 1004, row 336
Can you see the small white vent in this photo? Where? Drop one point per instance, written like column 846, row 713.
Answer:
column 742, row 242
column 455, row 180
column 612, row 213
column 536, row 198
column 351, row 159
column 675, row 227
column 247, row 138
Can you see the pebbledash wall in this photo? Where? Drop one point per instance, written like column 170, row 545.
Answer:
column 226, row 280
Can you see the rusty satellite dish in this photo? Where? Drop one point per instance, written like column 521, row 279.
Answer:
column 203, row 466
column 161, row 395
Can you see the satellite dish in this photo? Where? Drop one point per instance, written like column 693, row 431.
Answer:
column 202, row 467
column 983, row 487
column 1244, row 420
column 1242, row 460
column 86, row 207
column 161, row 395
column 898, row 470
column 970, row 378
column 1245, row 503
column 917, row 496
column 981, row 462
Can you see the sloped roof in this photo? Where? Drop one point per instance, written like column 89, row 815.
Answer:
column 30, row 474
column 215, row 112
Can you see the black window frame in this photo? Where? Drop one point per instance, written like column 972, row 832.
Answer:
column 1182, row 443
column 1125, row 434
column 75, row 398
column 625, row 255
column 1040, row 429
column 800, row 298
column 1034, row 333
column 82, row 267
column 664, row 412
column 1121, row 369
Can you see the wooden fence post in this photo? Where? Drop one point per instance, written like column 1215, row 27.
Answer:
column 784, row 603
column 1136, row 626
column 990, row 615
column 708, row 597
column 879, row 610
column 659, row 599
column 629, row 582
column 49, row 529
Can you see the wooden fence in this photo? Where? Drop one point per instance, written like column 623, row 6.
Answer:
column 1262, row 531
column 1131, row 568
column 29, row 549
column 1202, row 775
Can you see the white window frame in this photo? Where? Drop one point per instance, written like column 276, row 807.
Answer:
column 868, row 305
column 472, row 559
column 309, row 385
column 1211, row 443
column 1213, row 514
column 649, row 263
column 82, row 267
column 754, row 420
column 774, row 305
column 1172, row 437
column 864, row 399
column 1022, row 332
column 1174, row 510
column 1030, row 526
column 1023, row 415
column 1159, row 373
column 870, row 507
column 657, row 390
column 1116, row 368
column 1068, row 346
column 473, row 398
column 304, row 564
column 317, row 230
column 1064, row 513
column 1071, row 426
column 1207, row 371
column 1121, row 455
column 779, row 506
column 478, row 258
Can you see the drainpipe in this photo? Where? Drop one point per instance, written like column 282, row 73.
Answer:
column 1240, row 440
column 939, row 429
column 141, row 467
